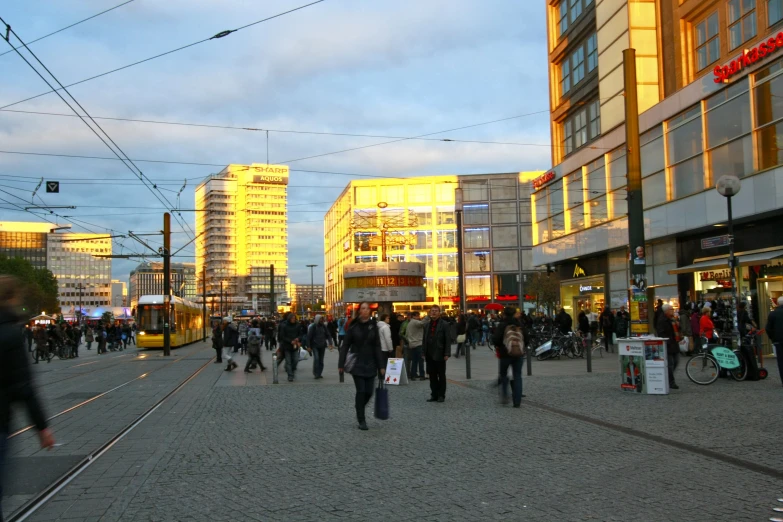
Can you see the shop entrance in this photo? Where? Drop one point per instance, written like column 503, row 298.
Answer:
column 769, row 289
column 582, row 294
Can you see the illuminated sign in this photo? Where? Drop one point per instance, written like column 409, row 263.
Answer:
column 587, row 288
column 747, row 58
column 384, row 282
column 270, row 174
column 543, row 180
column 579, row 271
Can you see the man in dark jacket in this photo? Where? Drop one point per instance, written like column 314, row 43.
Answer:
column 510, row 318
column 437, row 350
column 15, row 379
column 775, row 333
column 230, row 341
column 664, row 328
column 318, row 338
column 217, row 342
column 288, row 337
column 564, row 321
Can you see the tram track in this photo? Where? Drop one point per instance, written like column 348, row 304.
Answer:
column 102, row 394
column 93, row 370
column 42, row 497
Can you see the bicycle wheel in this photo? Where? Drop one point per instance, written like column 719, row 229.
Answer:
column 739, row 374
column 702, row 369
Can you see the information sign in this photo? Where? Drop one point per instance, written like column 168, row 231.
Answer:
column 395, row 372
column 726, row 358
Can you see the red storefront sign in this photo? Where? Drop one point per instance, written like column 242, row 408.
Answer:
column 746, row 59
column 543, row 180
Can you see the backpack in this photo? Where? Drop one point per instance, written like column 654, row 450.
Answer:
column 513, row 341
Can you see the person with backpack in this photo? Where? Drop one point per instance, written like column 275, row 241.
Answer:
column 253, row 351
column 509, row 340
column 607, row 325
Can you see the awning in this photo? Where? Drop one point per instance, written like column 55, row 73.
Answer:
column 716, row 263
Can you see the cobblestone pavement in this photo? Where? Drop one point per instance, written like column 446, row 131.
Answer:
column 228, row 447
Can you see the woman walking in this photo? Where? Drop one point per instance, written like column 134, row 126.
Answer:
column 360, row 355
column 89, row 337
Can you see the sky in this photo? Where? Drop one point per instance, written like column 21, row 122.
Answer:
column 400, row 68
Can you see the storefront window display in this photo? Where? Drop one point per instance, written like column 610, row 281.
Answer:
column 580, row 294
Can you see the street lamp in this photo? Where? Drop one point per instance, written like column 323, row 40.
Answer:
column 458, row 206
column 729, row 186
column 312, row 288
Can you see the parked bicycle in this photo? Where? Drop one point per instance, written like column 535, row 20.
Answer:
column 704, row 368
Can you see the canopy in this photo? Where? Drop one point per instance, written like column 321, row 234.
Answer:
column 494, row 306
column 720, row 262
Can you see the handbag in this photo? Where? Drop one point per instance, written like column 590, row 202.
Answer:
column 381, row 401
column 684, row 345
column 350, row 362
column 461, row 338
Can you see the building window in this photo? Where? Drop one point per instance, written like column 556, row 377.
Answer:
column 729, row 141
column 475, row 191
column 592, row 52
column 477, row 261
column 769, row 115
column 578, row 65
column 505, row 212
column 563, row 16
column 574, row 9
column 707, row 41
column 742, row 22
column 568, row 144
column 595, row 119
column 476, row 214
column 684, row 146
column 477, row 238
column 565, row 77
column 774, row 12
column 581, row 127
column 653, row 168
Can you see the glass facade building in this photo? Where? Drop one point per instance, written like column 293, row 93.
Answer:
column 147, row 279
column 414, row 220
column 708, row 79
column 81, row 277
column 242, row 213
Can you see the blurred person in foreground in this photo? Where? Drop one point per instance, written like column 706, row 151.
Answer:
column 16, row 383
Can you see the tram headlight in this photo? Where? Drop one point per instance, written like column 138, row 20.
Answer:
column 142, row 333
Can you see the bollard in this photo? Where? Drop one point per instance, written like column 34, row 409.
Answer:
column 529, row 356
column 467, row 359
column 589, row 355
column 342, row 376
column 274, row 368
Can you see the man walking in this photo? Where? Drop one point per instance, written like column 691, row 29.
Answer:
column 217, row 342
column 775, row 333
column 509, row 341
column 437, row 350
column 253, row 351
column 288, row 336
column 318, row 338
column 230, row 341
column 665, row 328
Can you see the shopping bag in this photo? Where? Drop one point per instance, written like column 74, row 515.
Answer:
column 381, row 401
column 303, row 354
column 684, row 345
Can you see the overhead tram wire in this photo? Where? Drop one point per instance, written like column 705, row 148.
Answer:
column 140, row 174
column 73, row 25
column 290, row 131
column 219, row 35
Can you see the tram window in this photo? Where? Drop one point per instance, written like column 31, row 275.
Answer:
column 150, row 318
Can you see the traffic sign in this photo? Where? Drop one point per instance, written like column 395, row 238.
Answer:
column 715, row 242
column 53, row 187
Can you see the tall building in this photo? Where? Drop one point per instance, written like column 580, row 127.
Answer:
column 414, row 220
column 710, row 84
column 243, row 213
column 119, row 293
column 81, row 277
column 147, row 279
column 304, row 294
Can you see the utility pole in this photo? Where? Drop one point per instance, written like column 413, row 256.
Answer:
column 637, row 258
column 272, row 307
column 167, row 284
column 312, row 288
column 458, row 198
column 221, row 300
column 204, row 301
column 81, row 288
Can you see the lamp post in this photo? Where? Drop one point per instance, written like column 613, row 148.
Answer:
column 312, row 288
column 729, row 186
column 458, row 206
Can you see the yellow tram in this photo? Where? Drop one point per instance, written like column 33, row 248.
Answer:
column 185, row 322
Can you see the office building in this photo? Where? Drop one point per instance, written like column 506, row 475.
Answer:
column 25, row 240
column 303, row 294
column 119, row 293
column 243, row 213
column 413, row 219
column 82, row 278
column 710, row 81
column 147, row 279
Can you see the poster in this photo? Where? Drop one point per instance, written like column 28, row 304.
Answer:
column 395, row 372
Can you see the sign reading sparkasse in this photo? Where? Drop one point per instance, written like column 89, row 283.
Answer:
column 543, row 179
column 748, row 58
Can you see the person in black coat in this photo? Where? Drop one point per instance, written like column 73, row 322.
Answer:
column 775, row 332
column 16, row 385
column 363, row 343
column 607, row 325
column 437, row 350
column 665, row 328
column 564, row 321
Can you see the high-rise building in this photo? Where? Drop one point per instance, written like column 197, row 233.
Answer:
column 243, row 213
column 304, row 294
column 119, row 293
column 709, row 85
column 82, row 278
column 147, row 279
column 413, row 219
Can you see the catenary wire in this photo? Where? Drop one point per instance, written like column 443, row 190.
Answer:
column 140, row 173
column 214, row 37
column 72, row 25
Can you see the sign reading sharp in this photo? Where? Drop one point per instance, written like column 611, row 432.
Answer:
column 53, row 187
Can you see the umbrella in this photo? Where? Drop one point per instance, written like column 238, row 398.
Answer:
column 494, row 306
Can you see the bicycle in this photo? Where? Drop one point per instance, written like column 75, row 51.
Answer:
column 704, row 368
column 43, row 354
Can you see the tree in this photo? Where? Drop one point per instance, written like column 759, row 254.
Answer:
column 40, row 285
column 107, row 318
column 546, row 290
